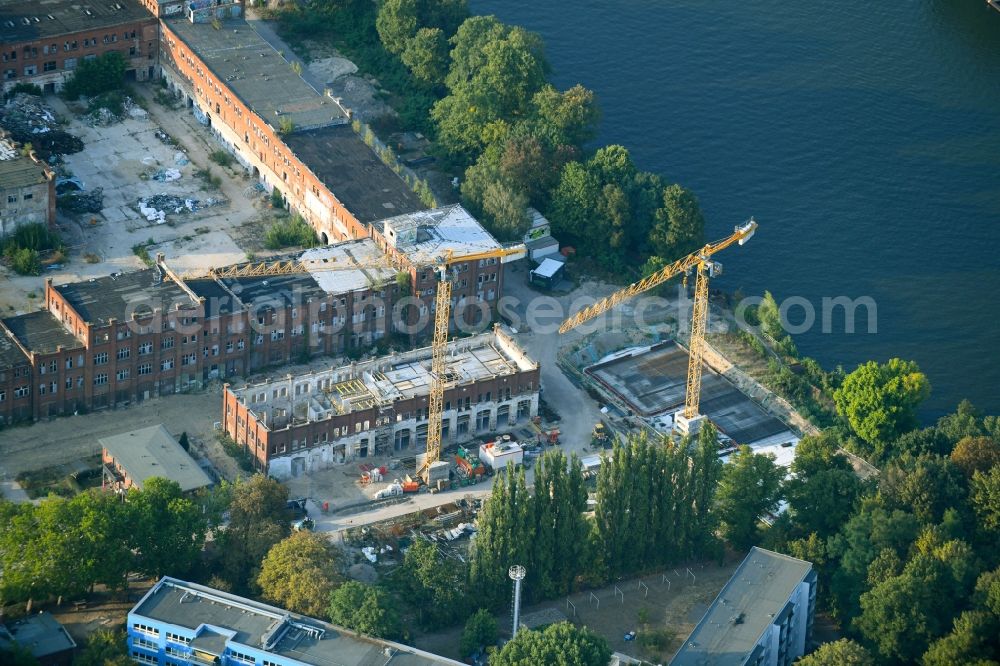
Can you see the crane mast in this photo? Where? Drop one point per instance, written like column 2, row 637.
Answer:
column 439, row 351
column 701, row 262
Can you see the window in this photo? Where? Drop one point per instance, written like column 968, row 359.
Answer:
column 146, row 629
column 29, row 196
column 9, row 74
column 69, row 363
column 243, row 658
column 167, row 343
column 144, row 658
column 229, row 346
column 122, row 375
column 177, row 638
column 124, row 353
column 100, row 379
column 50, row 66
column 54, row 366
column 21, row 392
column 30, row 70
column 101, row 358
column 69, row 63
column 69, row 383
column 11, row 198
column 41, row 389
column 167, row 364
column 239, row 343
column 145, row 644
column 189, row 359
column 145, row 348
column 3, row 395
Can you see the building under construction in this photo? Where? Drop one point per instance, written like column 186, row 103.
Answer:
column 308, row 422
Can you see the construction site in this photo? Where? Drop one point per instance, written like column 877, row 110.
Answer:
column 306, row 423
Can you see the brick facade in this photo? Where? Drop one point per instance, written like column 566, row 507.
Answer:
column 48, row 61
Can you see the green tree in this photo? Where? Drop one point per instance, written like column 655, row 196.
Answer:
column 397, row 22
column 750, row 487
column 495, row 72
column 367, row 610
column 104, row 647
column 560, row 643
column 985, row 499
column 869, row 531
column 93, row 77
column 680, row 226
column 300, row 572
column 976, row 454
column 257, row 520
column 505, row 211
column 843, row 652
column 504, row 537
column 434, row 586
column 426, row 54
column 880, row 401
column 480, row 631
column 568, row 118
column 965, row 422
column 823, row 488
column 973, row 640
column 928, row 485
column 168, row 529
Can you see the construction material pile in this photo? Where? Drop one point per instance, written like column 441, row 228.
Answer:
column 29, row 120
column 157, row 207
column 81, row 202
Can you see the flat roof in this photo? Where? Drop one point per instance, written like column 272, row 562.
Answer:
column 548, row 268
column 41, row 634
column 245, row 622
column 748, row 604
column 361, row 254
column 256, row 73
column 17, row 170
column 10, row 354
column 425, row 236
column 41, row 332
column 652, row 380
column 117, row 296
column 402, row 375
column 353, row 172
column 152, row 451
column 40, row 19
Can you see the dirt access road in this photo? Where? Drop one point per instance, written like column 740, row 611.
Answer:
column 71, row 438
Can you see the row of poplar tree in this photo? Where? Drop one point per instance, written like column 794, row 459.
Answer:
column 652, row 509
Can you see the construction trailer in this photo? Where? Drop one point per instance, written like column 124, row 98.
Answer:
column 501, row 453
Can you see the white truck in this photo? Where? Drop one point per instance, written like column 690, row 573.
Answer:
column 499, row 454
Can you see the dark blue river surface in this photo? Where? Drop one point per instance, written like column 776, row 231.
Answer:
column 864, row 137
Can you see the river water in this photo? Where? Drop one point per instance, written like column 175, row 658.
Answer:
column 863, row 136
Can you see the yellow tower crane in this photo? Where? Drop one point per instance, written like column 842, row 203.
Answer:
column 701, row 262
column 439, row 347
column 442, row 316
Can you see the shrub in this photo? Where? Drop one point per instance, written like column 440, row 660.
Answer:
column 25, row 261
column 291, row 232
column 221, row 157
column 26, row 88
column 286, row 125
column 141, row 250
column 277, row 201
column 113, row 101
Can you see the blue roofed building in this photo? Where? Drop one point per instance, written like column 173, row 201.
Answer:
column 180, row 623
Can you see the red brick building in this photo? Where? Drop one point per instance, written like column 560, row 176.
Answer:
column 302, row 423
column 43, row 42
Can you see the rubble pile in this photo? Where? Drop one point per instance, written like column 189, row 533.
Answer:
column 103, row 115
column 157, row 207
column 29, row 120
column 81, row 202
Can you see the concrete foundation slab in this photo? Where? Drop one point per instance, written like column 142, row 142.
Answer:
column 652, row 380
